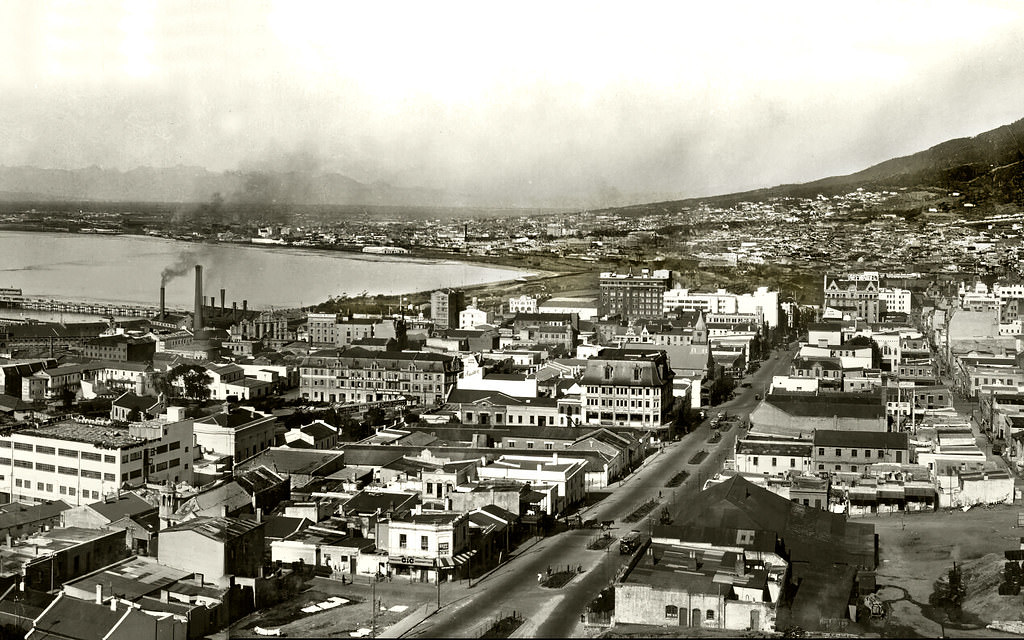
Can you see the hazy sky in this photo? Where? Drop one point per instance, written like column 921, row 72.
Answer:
column 517, row 103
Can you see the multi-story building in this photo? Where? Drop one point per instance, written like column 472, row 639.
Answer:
column 320, row 327
column 240, row 433
column 445, row 305
column 762, row 304
column 427, row 547
column 120, row 348
column 217, row 549
column 894, row 300
column 80, row 462
column 773, row 456
column 356, row 375
column 627, row 388
column 634, row 296
column 522, row 304
column 853, row 294
column 854, row 451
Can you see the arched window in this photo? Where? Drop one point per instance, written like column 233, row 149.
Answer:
column 671, row 611
column 710, row 614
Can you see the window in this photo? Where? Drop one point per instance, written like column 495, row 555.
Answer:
column 5, row 461
column 40, row 486
column 671, row 611
column 839, row 467
column 23, row 464
column 710, row 615
column 512, row 443
column 89, row 455
column 21, row 446
column 68, row 471
column 529, row 445
column 109, row 477
column 853, row 467
column 109, row 459
column 92, row 475
column 867, row 453
column 174, row 445
column 402, row 542
column 45, row 467
column 753, row 461
column 548, row 445
column 47, row 450
column 775, row 461
column 71, row 491
column 173, row 462
column 881, row 454
column 792, row 463
column 853, row 453
column 424, row 543
column 63, row 490
column 821, row 467
column 839, row 453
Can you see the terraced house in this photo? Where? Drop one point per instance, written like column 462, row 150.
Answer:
column 357, row 375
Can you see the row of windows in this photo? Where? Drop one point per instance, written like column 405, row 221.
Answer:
column 853, row 452
column 672, row 611
column 622, row 391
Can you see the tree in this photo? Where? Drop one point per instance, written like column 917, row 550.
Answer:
column 876, row 351
column 722, row 388
column 950, row 593
column 194, row 380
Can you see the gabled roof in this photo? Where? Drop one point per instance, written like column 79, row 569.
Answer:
column 77, row 619
column 286, row 461
column 16, row 513
column 258, row 479
column 215, row 528
column 129, row 400
column 124, row 505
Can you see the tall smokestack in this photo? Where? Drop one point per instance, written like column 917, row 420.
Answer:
column 163, row 292
column 245, row 306
column 222, row 294
column 197, row 321
column 234, row 309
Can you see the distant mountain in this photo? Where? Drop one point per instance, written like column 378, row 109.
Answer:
column 985, row 169
column 193, row 184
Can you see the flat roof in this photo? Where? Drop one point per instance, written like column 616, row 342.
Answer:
column 102, row 436
column 131, row 578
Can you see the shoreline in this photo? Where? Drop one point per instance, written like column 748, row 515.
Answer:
column 513, row 272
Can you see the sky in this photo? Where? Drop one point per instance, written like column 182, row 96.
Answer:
column 517, row 104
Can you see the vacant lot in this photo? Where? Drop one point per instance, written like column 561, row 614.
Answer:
column 918, row 549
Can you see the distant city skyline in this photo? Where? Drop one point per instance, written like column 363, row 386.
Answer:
column 532, row 104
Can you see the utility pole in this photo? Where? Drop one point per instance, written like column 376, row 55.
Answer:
column 437, row 576
column 373, row 607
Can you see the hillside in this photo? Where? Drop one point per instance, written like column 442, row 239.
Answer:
column 987, row 169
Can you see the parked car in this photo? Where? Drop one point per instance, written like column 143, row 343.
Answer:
column 629, row 542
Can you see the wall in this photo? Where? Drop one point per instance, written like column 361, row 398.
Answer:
column 643, row 604
column 190, row 551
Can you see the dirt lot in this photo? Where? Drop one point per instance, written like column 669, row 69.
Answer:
column 339, row 621
column 920, row 548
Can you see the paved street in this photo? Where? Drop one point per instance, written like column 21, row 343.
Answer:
column 556, row 612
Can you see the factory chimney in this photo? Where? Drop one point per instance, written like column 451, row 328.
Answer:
column 197, row 321
column 245, row 306
column 163, row 292
column 222, row 307
column 234, row 309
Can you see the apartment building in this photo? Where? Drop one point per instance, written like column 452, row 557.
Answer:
column 445, row 305
column 627, row 388
column 357, row 375
column 522, row 304
column 79, row 462
column 855, row 295
column 762, row 305
column 633, row 296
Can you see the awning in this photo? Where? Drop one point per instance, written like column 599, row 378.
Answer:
column 919, row 492
column 463, row 558
column 445, row 563
column 890, row 492
column 412, row 560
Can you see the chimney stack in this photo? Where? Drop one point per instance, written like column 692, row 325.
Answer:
column 223, row 293
column 224, row 511
column 99, row 594
column 213, row 302
column 245, row 306
column 197, row 320
column 163, row 309
column 259, row 515
column 234, row 309
column 113, row 604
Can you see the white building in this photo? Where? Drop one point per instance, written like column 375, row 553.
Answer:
column 522, row 304
column 895, row 300
column 80, row 462
column 471, row 317
column 241, row 433
column 565, row 473
column 761, row 303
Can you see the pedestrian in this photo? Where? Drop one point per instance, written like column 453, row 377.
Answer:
column 540, row 577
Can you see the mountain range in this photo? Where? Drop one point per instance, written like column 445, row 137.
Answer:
column 987, row 169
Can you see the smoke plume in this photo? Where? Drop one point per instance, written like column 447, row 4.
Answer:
column 185, row 263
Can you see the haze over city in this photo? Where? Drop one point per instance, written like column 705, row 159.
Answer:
column 576, row 104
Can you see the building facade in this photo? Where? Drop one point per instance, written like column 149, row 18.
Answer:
column 627, row 388
column 356, row 375
column 633, row 296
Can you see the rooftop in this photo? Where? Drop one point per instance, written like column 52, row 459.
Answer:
column 101, row 436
